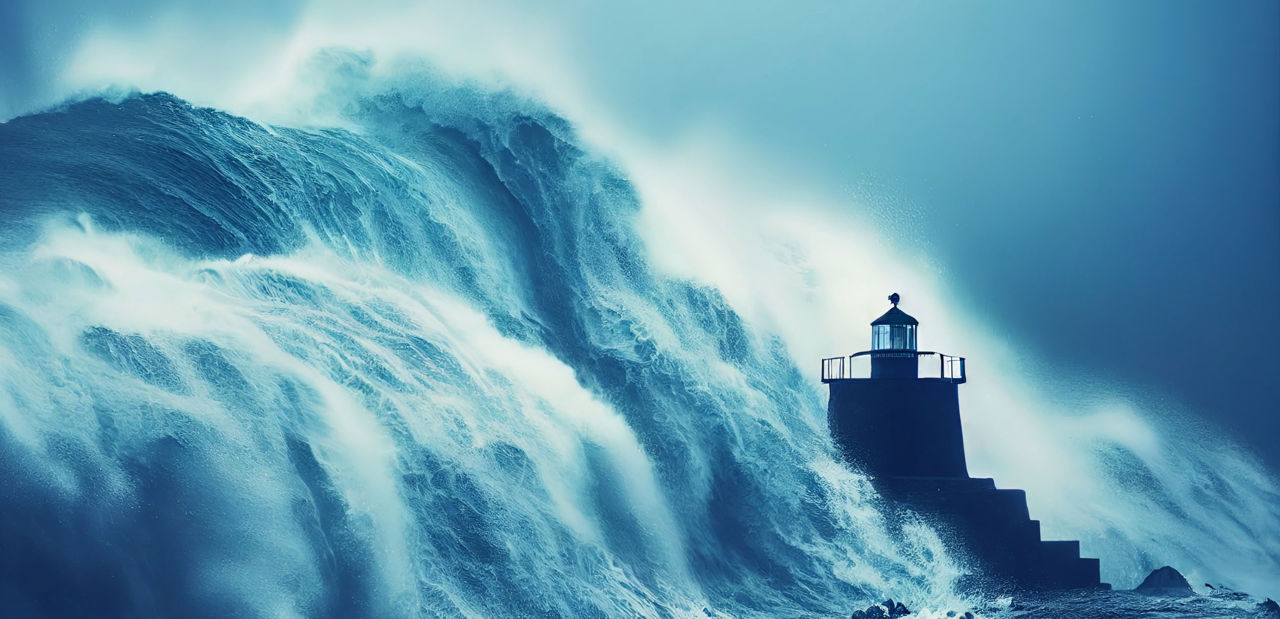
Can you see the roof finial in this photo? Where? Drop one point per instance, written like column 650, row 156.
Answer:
column 894, row 298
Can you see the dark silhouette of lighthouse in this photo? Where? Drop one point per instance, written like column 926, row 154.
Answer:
column 903, row 429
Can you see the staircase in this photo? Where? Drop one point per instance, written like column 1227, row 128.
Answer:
column 993, row 527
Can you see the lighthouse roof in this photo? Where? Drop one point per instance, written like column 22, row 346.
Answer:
column 895, row 316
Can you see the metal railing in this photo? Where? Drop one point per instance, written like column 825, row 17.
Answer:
column 833, row 368
column 950, row 367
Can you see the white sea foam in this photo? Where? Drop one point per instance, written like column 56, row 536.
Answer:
column 792, row 261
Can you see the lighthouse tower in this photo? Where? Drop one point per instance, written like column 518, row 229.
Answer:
column 901, row 426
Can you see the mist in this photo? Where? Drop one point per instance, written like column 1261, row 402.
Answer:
column 1080, row 198
column 1098, row 180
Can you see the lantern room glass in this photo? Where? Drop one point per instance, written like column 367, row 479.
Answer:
column 893, row 337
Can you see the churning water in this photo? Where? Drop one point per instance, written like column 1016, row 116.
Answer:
column 422, row 365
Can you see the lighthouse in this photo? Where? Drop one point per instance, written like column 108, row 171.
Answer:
column 900, row 424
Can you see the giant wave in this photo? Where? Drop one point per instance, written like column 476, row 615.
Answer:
column 416, row 365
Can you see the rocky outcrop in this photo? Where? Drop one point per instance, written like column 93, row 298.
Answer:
column 1165, row 581
column 887, row 609
column 1268, row 610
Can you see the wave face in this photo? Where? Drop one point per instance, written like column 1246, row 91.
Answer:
column 418, row 366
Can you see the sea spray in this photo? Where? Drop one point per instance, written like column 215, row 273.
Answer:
column 418, row 365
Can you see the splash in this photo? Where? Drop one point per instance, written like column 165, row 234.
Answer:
column 437, row 358
column 300, row 372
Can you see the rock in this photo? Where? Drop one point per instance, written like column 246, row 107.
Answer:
column 894, row 609
column 1269, row 609
column 1165, row 581
column 887, row 609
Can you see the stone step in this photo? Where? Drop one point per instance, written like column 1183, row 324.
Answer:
column 1075, row 574
column 1035, row 525
column 1060, row 551
column 995, row 527
column 1003, row 506
column 1058, row 566
column 1022, row 534
column 1090, row 570
column 937, row 484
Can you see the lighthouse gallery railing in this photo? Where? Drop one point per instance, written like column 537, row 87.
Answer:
column 950, row 367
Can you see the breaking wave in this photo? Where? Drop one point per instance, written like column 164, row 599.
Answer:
column 420, row 365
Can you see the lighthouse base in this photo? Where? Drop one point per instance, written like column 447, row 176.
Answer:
column 994, row 528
